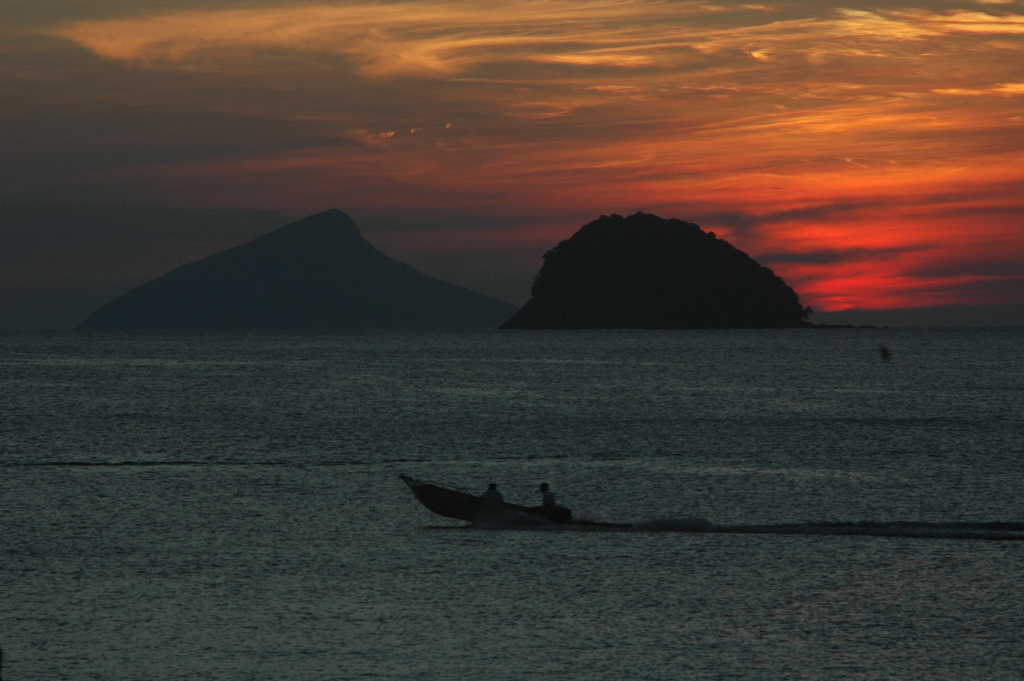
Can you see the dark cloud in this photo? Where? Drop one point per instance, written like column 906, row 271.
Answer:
column 989, row 266
column 826, row 212
column 34, row 12
column 830, row 256
column 1008, row 314
column 978, row 202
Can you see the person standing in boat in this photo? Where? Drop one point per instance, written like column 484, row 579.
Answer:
column 493, row 501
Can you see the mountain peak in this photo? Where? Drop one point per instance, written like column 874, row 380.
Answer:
column 331, row 217
column 645, row 272
column 331, row 223
column 316, row 273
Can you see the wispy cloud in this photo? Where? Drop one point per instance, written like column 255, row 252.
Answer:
column 445, row 38
column 1001, row 89
column 853, row 144
column 408, row 38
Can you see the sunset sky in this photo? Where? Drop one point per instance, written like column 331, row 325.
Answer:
column 872, row 154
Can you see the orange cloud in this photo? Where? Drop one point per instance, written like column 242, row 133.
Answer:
column 443, row 38
column 860, row 151
column 389, row 39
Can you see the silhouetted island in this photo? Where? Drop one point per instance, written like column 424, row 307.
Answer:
column 317, row 273
column 644, row 272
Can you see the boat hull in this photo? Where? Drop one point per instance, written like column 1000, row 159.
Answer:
column 443, row 501
column 451, row 503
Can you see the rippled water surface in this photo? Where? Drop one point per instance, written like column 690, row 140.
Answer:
column 239, row 516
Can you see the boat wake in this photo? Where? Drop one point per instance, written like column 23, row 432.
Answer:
column 992, row 531
column 996, row 531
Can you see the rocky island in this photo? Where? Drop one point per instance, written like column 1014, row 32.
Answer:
column 315, row 274
column 645, row 272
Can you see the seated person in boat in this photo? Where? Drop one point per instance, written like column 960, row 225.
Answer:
column 549, row 498
column 493, row 501
column 550, row 508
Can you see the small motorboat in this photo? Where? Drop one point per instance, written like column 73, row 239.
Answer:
column 452, row 503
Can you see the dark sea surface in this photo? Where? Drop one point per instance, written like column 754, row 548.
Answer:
column 240, row 518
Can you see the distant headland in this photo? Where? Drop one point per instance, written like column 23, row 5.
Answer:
column 645, row 272
column 316, row 274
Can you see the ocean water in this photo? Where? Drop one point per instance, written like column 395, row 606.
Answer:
column 227, row 506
